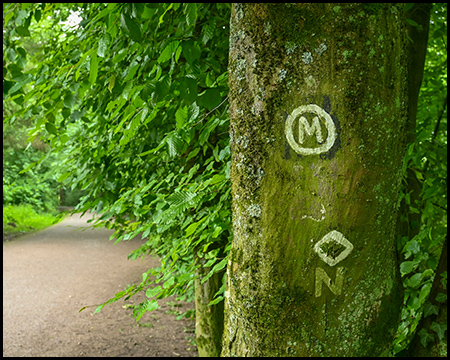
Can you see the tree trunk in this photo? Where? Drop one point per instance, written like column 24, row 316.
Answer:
column 318, row 109
column 208, row 319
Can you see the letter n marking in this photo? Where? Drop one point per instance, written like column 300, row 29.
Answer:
column 322, row 277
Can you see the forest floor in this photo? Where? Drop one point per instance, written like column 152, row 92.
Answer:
column 49, row 275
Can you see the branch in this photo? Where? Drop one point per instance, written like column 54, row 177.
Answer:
column 436, row 129
column 207, row 114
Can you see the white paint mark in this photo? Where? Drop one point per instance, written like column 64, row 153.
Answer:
column 307, row 58
column 327, row 242
column 321, row 49
column 322, row 277
column 310, row 130
column 323, row 212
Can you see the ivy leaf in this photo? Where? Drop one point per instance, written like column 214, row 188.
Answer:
column 406, row 267
column 425, row 337
column 430, row 309
column 131, row 28
column 440, row 329
column 424, row 291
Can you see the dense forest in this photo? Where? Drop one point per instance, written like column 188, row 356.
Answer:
column 123, row 110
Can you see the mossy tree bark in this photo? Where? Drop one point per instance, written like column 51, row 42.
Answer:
column 318, row 106
column 208, row 318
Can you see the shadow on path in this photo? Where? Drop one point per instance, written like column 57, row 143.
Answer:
column 49, row 275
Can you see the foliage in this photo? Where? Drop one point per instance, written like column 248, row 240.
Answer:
column 18, row 219
column 137, row 103
column 427, row 158
column 36, row 188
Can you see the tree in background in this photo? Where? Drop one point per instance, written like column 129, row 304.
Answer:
column 135, row 98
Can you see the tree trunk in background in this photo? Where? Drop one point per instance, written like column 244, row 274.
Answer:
column 318, row 106
column 208, row 319
column 409, row 224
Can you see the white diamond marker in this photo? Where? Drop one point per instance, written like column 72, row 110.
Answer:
column 330, row 238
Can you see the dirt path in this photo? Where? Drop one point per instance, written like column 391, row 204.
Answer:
column 49, row 275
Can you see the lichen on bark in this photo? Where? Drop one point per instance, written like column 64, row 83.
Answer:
column 350, row 63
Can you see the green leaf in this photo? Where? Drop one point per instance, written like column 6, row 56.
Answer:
column 181, row 198
column 217, row 300
column 69, row 100
column 111, row 83
column 153, row 291
column 168, row 51
column 411, row 22
column 63, row 177
column 424, row 291
column 415, row 280
column 190, row 11
column 37, row 15
column 216, row 269
column 93, row 69
column 188, row 89
column 131, row 28
column 194, row 111
column 406, row 267
column 162, row 88
column 51, row 128
column 191, row 51
column 425, row 337
column 64, row 138
column 440, row 297
column 440, row 329
column 191, row 228
column 23, row 31
column 210, row 98
column 412, row 246
column 408, row 6
column 132, row 69
column 181, row 116
column 100, row 307
column 103, row 45
column 430, row 309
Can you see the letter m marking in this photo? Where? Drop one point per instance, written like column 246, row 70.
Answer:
column 303, row 126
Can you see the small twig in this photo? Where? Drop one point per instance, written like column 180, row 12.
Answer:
column 436, row 129
column 439, row 206
column 209, row 113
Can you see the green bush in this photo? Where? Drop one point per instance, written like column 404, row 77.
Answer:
column 35, row 187
column 18, row 219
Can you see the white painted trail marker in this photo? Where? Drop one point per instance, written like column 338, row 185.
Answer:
column 305, row 129
column 333, row 239
column 322, row 277
column 332, row 249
